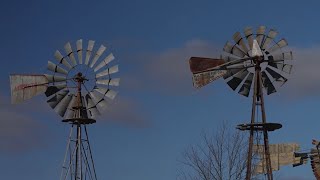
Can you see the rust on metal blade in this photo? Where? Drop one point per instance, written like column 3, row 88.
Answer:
column 200, row 64
column 204, row 78
column 24, row 87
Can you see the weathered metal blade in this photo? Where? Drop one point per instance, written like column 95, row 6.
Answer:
column 282, row 56
column 245, row 88
column 234, row 71
column 281, row 66
column 199, row 64
column 25, row 87
column 106, row 92
column 267, row 84
column 268, row 39
column 70, row 54
column 282, row 43
column 111, row 82
column 99, row 101
column 70, row 111
column 108, row 71
column 260, row 35
column 277, row 77
column 280, row 155
column 201, row 79
column 54, row 89
column 256, row 51
column 98, row 54
column 103, row 63
column 53, row 102
column 54, row 78
column 79, row 50
column 240, row 41
column 89, row 51
column 249, row 35
column 62, row 106
column 61, row 59
column 55, row 68
column 93, row 112
column 233, row 49
column 237, row 79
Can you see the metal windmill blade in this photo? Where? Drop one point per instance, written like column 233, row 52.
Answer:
column 101, row 78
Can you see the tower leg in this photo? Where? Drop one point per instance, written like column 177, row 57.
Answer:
column 80, row 164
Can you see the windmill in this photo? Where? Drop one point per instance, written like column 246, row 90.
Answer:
column 256, row 64
column 78, row 89
column 313, row 155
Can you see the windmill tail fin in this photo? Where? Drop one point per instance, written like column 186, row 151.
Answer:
column 24, row 86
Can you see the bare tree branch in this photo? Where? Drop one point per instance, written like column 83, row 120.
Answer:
column 220, row 156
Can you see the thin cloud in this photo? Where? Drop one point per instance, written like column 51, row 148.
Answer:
column 168, row 72
column 306, row 75
column 19, row 132
column 126, row 111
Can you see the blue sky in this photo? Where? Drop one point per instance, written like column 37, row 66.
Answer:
column 157, row 114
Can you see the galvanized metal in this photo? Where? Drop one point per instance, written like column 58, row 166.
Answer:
column 24, row 87
column 89, row 51
column 105, row 62
column 280, row 155
column 100, row 51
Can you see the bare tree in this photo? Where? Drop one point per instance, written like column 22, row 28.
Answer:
column 221, row 156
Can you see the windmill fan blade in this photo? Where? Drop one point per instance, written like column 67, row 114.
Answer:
column 106, row 92
column 106, row 61
column 61, row 59
column 111, row 82
column 282, row 56
column 278, row 77
column 91, row 107
column 70, row 54
column 79, row 50
column 57, row 98
column 108, row 71
column 231, row 72
column 281, row 66
column 89, row 51
column 245, row 88
column 98, row 54
column 54, row 78
column 267, row 84
column 282, row 43
column 100, row 102
column 237, row 79
column 233, row 49
column 239, row 40
column 62, row 106
column 260, row 35
column 25, row 87
column 271, row 35
column 54, row 89
column 199, row 64
column 54, row 68
column 249, row 35
column 70, row 111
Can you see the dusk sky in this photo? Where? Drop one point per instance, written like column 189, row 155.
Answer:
column 157, row 113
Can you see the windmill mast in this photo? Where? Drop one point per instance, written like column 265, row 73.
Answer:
column 257, row 101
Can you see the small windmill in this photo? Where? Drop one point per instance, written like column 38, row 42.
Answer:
column 254, row 64
column 78, row 90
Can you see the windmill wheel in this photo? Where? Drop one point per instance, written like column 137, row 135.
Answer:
column 275, row 63
column 80, row 70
